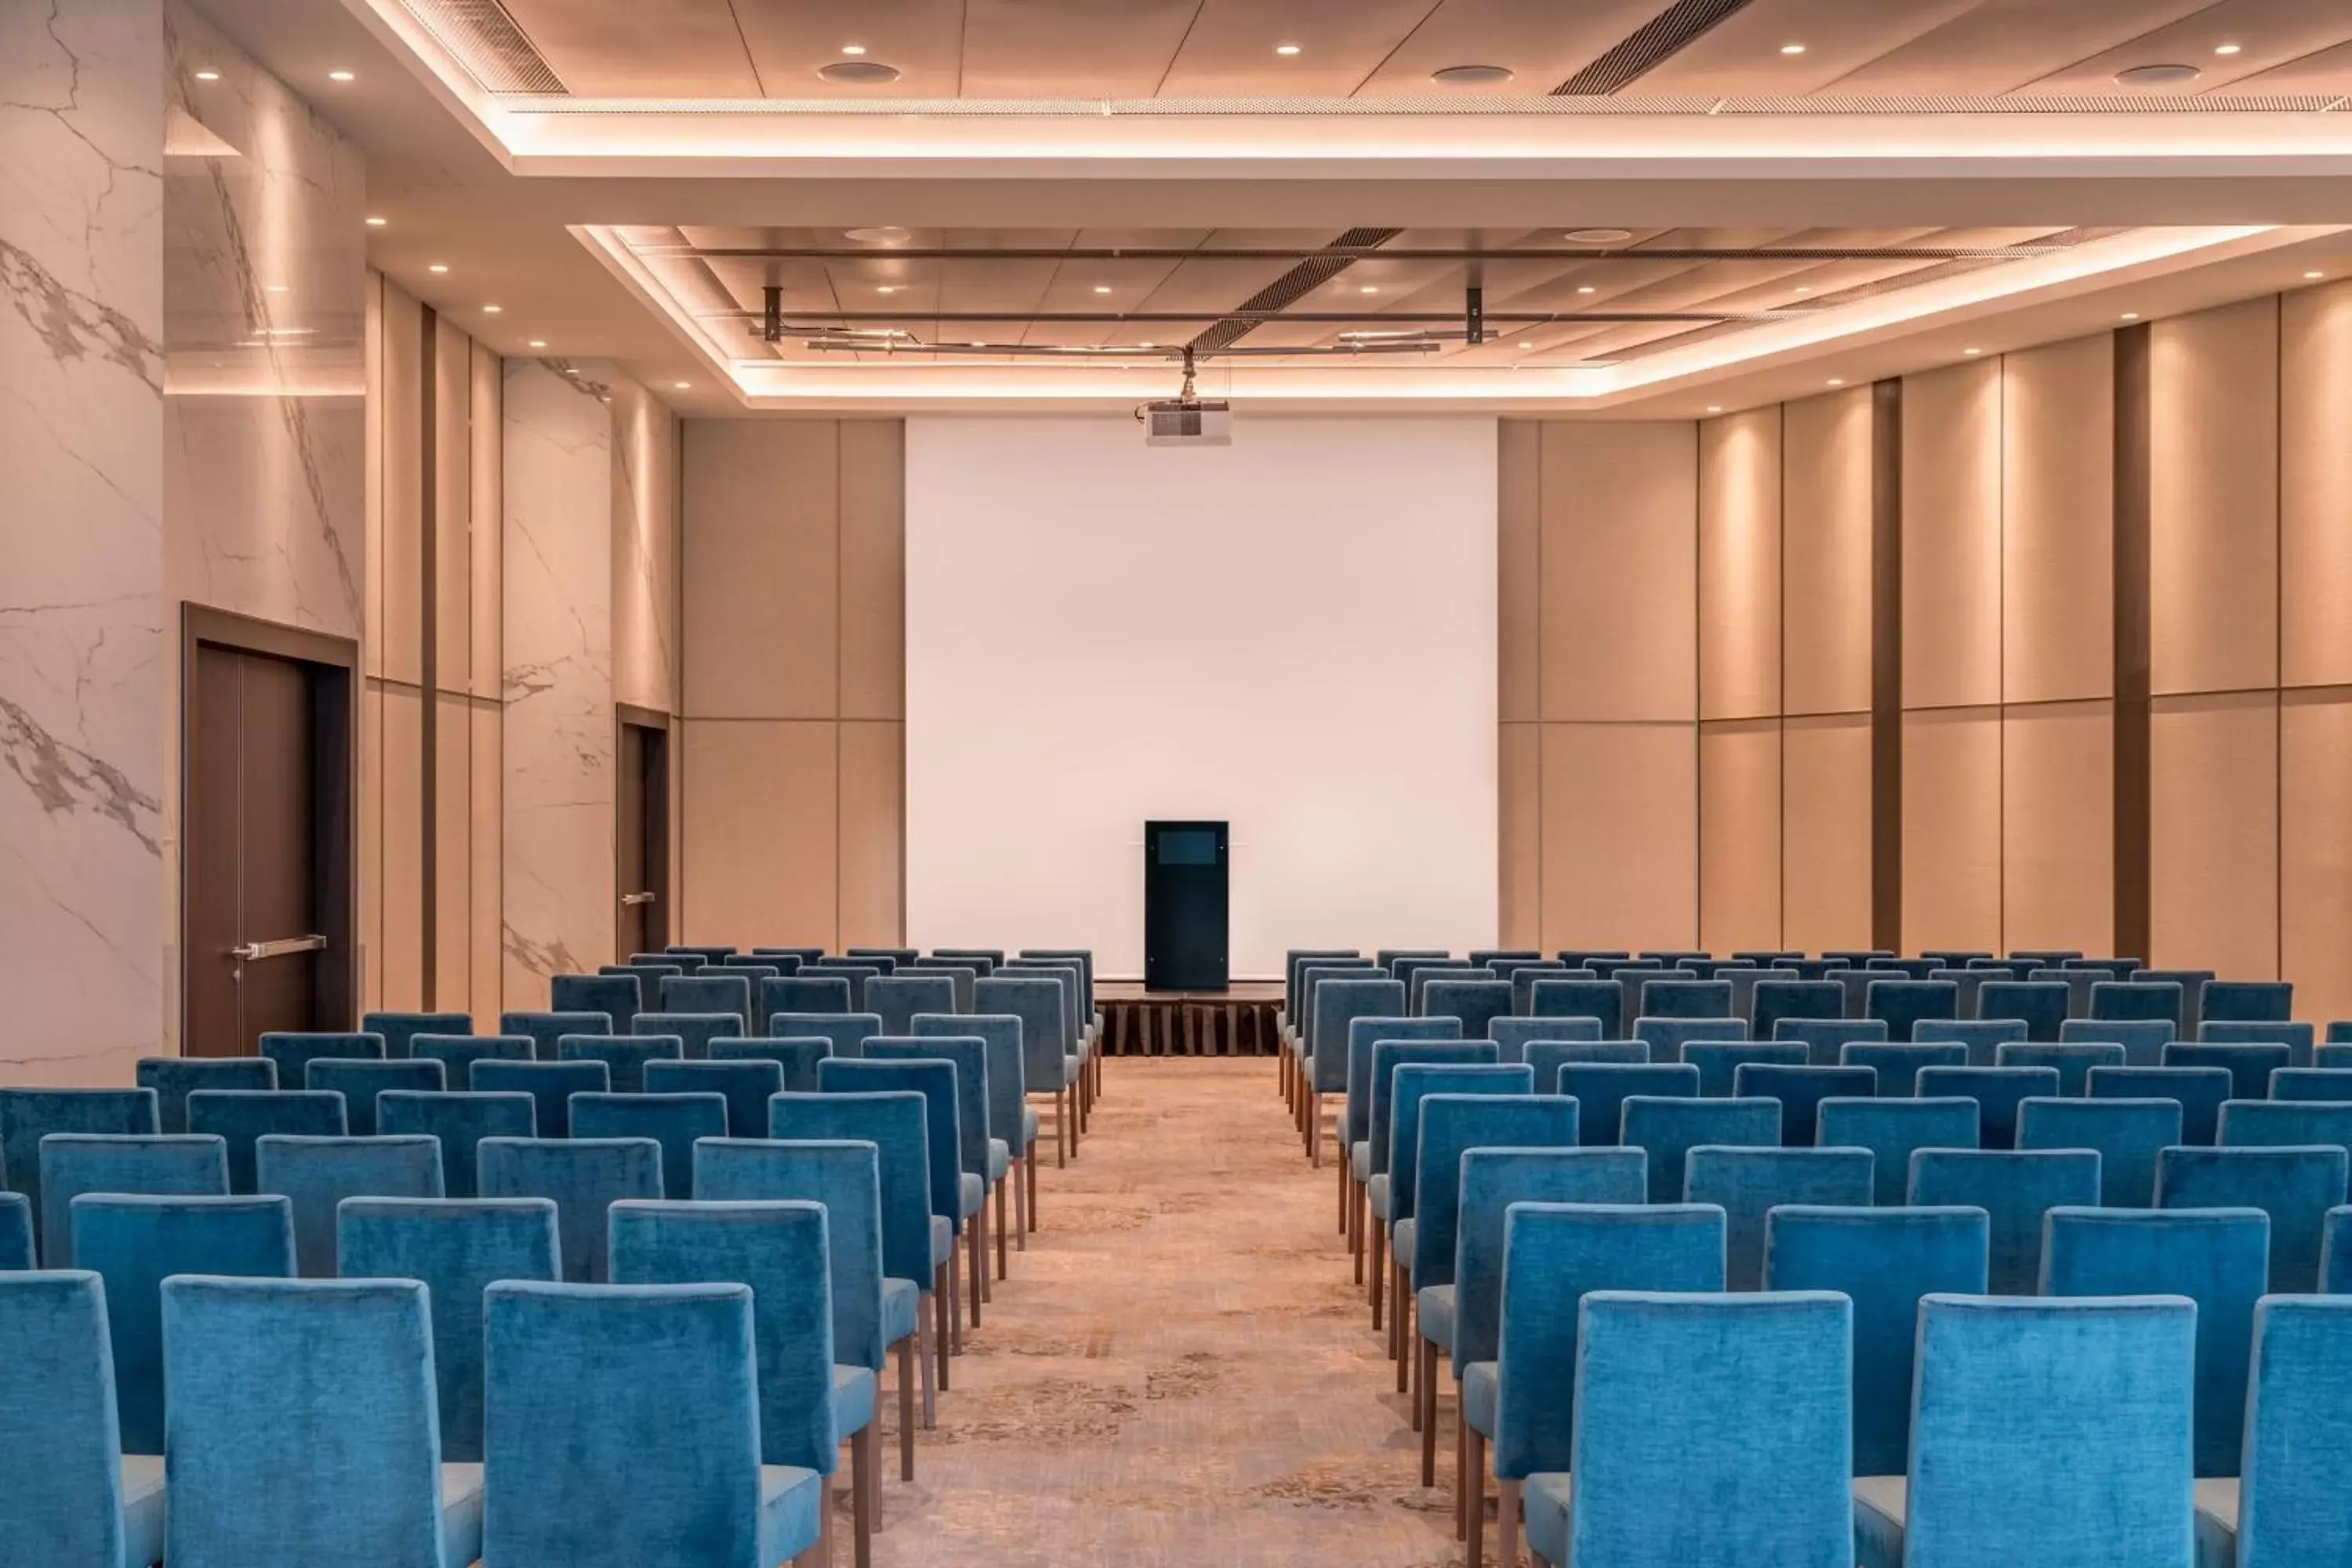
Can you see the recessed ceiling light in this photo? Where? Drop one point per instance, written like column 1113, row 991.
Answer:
column 853, row 49
column 208, row 76
column 539, row 342
column 341, row 76
column 377, row 222
column 1804, row 288
column 1526, row 343
column 1972, row 351
column 1286, row 49
column 1714, row 408
column 2314, row 274
column 682, row 385
column 274, row 289
column 1584, row 289
column 885, row 287
column 1369, row 288
column 1598, row 236
column 1792, row 48
column 2131, row 315
column 2226, row 48
column 858, row 73
column 1471, row 76
column 888, row 234
column 1102, row 287
column 438, row 267
column 1147, row 344
column 1837, row 381
column 2156, row 76
column 490, row 309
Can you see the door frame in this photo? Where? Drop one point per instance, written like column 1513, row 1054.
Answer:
column 334, row 679
column 624, row 715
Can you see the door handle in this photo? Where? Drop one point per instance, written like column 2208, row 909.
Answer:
column 629, row 900
column 280, row 947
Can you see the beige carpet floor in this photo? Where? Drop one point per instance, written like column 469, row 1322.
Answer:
column 1179, row 1370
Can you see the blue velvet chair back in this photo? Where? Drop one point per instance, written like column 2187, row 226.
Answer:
column 30, row 1115
column 1492, row 1179
column 1546, row 1058
column 1451, row 1126
column 2338, row 1051
column 1776, row 1002
column 1341, row 999
column 460, row 1120
column 2296, row 1037
column 969, row 1056
column 1553, row 1255
column 2015, row 1187
column 720, row 953
column 1801, row 1091
column 1885, row 1259
column 302, row 1422
column 2312, row 1083
column 458, row 1053
column 583, row 1177
column 2249, row 1065
column 1676, row 997
column 1903, row 1004
column 61, row 1491
column 1414, row 974
column 1599, row 1000
column 2128, row 1134
column 895, row 1122
column 185, row 1164
column 2200, row 1090
column 1074, row 1023
column 314, row 1176
column 2165, row 999
column 2192, row 984
column 829, row 994
column 1389, row 1055
column 2269, row 1123
column 1294, row 995
column 1744, row 982
column 672, row 1120
column 745, row 1086
column 1719, row 1062
column 358, row 1080
column 898, row 997
column 2051, row 1432
column 1477, row 1003
column 1996, row 1090
column 724, row 993
column 2295, row 1187
column 2219, row 1258
column 1712, row 1432
column 795, row 1057
column 398, row 1030
column 845, row 1177
column 983, row 961
column 695, row 1031
column 2249, row 1001
column 1746, row 1183
column 1897, row 1064
column 1602, row 1089
column 1667, row 1127
column 623, row 1426
column 1000, row 1038
column 619, row 997
column 779, row 1249
column 1385, row 957
column 2143, row 1039
column 2072, row 1060
column 1966, row 984
column 2041, row 1005
column 457, row 1248
column 550, row 1084
column 1038, row 1003
column 1412, row 1083
column 2292, row 1511
column 546, row 1029
column 1825, row 1038
column 1523, row 975
column 242, row 1117
column 1363, row 1034
column 624, row 1056
column 846, row 1032
column 1667, row 1036
column 174, row 1079
column 961, row 979
column 16, row 1233
column 1893, row 1131
column 1981, row 1038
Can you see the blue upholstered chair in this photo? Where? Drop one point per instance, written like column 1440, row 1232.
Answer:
column 1679, row 997
column 982, row 1161
column 952, row 1202
column 1666, row 1129
column 240, row 1118
column 1492, row 1179
column 713, row 994
column 1981, row 1038
column 1338, row 1001
column 2070, row 1060
column 2165, row 999
column 2335, row 1252
column 2128, row 1134
column 1477, row 1001
column 625, row 1429
column 1785, row 1001
column 2289, row 1508
column 2295, row 1187
column 358, row 1080
column 1719, row 1062
column 583, row 1177
column 806, row 994
column 1600, row 1090
column 1966, row 984
column 2312, row 1083
column 1744, row 983
column 846, row 1032
column 2249, row 1065
column 745, row 1085
column 2077, row 983
column 2219, row 1258
column 1390, row 1193
column 16, row 1233
column 898, row 997
column 1897, row 1064
column 2271, row 1123
column 2298, row 1038
column 69, row 1495
column 624, row 1056
column 546, row 1028
column 136, row 1242
column 2337, row 1052
column 1047, row 1069
column 1524, row 974
column 647, row 974
column 30, row 1115
column 961, row 979
column 796, row 1059
column 550, row 1084
column 1387, row 1056
column 720, row 953
column 2248, row 1001
column 1902, row 1004
column 2044, row 1004
column 1011, row 1122
column 619, row 997
column 2143, row 1039
column 2200, row 1090
column 1895, row 1129
column 1356, row 1118
column 1748, row 1184
column 2015, row 1187
column 460, row 1120
column 1599, row 1000
column 1546, row 1058
column 1825, row 1038
column 982, row 959
column 1801, row 1091
column 2192, row 984
column 157, row 1165
column 1666, row 1037
column 396, row 1030
column 1996, row 1090
column 1414, row 974
column 1385, row 957
column 174, row 1079
column 302, row 1427
column 695, row 1031
column 2105, row 968
column 458, row 1053
column 457, row 1248
column 2045, row 1434
column 1660, row 1476
column 314, row 1176
column 672, row 1120
column 1885, row 1259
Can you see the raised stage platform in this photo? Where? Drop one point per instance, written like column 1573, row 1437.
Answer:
column 1241, row 1022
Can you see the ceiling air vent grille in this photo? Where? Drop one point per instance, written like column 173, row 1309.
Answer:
column 484, row 38
column 1647, row 46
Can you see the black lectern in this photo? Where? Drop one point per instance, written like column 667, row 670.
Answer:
column 1184, row 906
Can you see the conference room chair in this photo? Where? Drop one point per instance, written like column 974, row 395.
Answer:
column 457, row 1248
column 696, row 1030
column 458, row 1053
column 1966, row 984
column 1600, row 1090
column 1481, row 957
column 160, row 1164
column 1893, row 1131
column 1338, row 1000
column 618, row 996
column 845, row 1032
column 2015, row 1187
column 672, row 1120
column 2288, row 1509
column 1854, row 987
column 1475, row 1002
column 1610, row 968
column 546, row 1029
column 241, row 1117
column 2012, row 1396
column 2338, row 1051
column 684, row 963
column 1548, row 1057
column 2045, row 957
column 1522, row 973
column 750, row 1002
column 2248, row 1001
column 897, row 955
column 1886, row 1260
column 720, row 953
column 856, row 975
column 1658, row 1474
column 2077, row 983
column 314, row 1176
column 1777, row 1002
column 1897, row 1064
column 796, row 1059
column 30, row 1115
column 2164, row 999
column 1745, row 1183
column 954, row 1203
column 583, row 1177
column 2249, row 1065
column 16, row 1233
column 1825, row 1038
column 302, row 1427
column 1918, row 968
column 174, row 1079
column 2192, row 984
column 1369, row 1217
column 461, row 1120
column 1311, row 974
column 2201, row 1092
column 2335, row 1252
column 2106, row 968
column 550, row 1084
column 1801, row 1091
column 1821, row 968
column 1681, row 998
column 786, row 957
column 2296, row 1037
column 2127, row 1135
column 1745, row 982
column 1719, row 1062
column 1666, row 1129
column 1391, row 1192
column 625, row 1056
column 2143, row 1039
column 1583, row 957
column 1523, row 1402
column 898, row 998
column 2044, row 1004
column 986, row 1160
column 1356, row 1110
column 1667, row 1036
column 1996, row 1090
column 1386, row 957
column 396, row 1030
column 806, row 993
column 1046, row 1068
column 1600, row 999
column 2278, row 1123
column 2312, row 1083
column 1981, row 1037
column 2011, row 968
column 745, row 1086
column 1293, row 1001
column 648, row 976
column 358, row 1080
column 1011, row 1122
column 2219, row 1258
column 69, row 1494
column 1904, row 1004
column 2295, row 1187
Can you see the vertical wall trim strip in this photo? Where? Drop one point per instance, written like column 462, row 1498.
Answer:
column 2132, row 675
column 1886, row 664
column 428, row 492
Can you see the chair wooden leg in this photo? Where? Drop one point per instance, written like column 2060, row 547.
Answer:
column 1343, row 1163
column 1379, row 1265
column 1032, row 1162
column 1428, row 1391
column 861, row 1495
column 1359, row 1210
column 1461, row 1474
column 1018, row 1227
column 1473, row 1480
column 1408, row 1367
column 907, row 1408
column 974, row 1246
column 950, row 1297
column 924, row 1337
column 1507, row 1526
column 1061, row 1127
column 1401, row 1322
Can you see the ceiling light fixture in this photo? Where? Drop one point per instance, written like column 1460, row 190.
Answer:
column 1286, row 50
column 539, row 342
column 1598, row 236
column 341, row 76
column 438, row 267
column 1837, row 381
column 858, row 73
column 1471, row 76
column 274, row 289
column 2131, row 315
column 1369, row 288
column 853, row 49
column 208, row 76
column 1526, row 343
column 2226, row 48
column 1972, row 351
column 1804, row 288
column 2156, row 76
column 1147, row 344
column 491, row 310
column 885, row 287
column 377, row 222
column 681, row 385
column 1792, row 48
column 1714, row 408
column 888, row 234
column 2314, row 274
column 1584, row 289
column 1102, row 287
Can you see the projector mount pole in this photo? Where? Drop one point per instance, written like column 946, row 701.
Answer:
column 1473, row 316
column 1187, row 395
column 773, row 327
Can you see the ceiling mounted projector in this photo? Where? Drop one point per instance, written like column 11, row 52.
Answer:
column 1186, row 420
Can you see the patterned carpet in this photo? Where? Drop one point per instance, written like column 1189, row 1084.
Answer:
column 1179, row 1370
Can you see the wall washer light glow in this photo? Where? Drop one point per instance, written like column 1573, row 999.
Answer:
column 1714, row 408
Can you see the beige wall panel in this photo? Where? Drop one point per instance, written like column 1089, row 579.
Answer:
column 2058, row 826
column 2214, row 498
column 371, row 866
column 874, row 571
column 372, row 481
column 2316, row 486
column 401, row 880
column 401, row 517
column 489, row 462
column 1620, row 834
column 2058, row 488
column 762, row 568
column 488, row 915
column 1739, row 566
column 873, row 833
column 1825, row 556
column 1620, row 562
column 1519, row 837
column 1519, row 503
column 760, row 852
column 2213, row 844
column 644, row 549
column 1825, row 832
column 452, row 560
column 1739, row 835
column 2316, row 865
column 1951, row 827
column 1951, row 542
column 453, row 863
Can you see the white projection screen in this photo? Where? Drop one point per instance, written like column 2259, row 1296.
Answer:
column 1295, row 634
